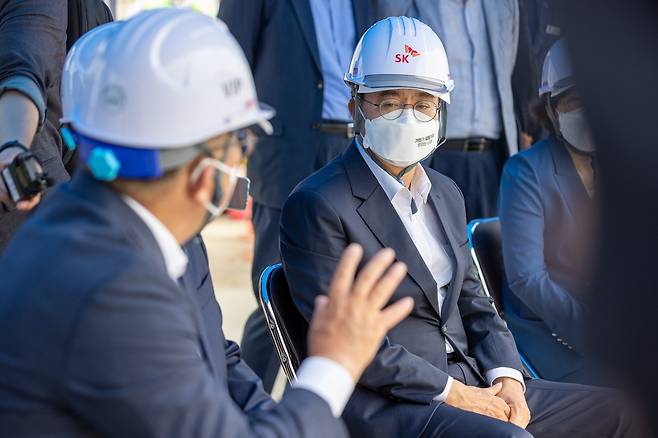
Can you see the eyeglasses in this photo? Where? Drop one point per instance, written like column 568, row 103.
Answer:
column 391, row 109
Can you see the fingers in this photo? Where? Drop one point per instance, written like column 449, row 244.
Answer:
column 495, row 389
column 343, row 278
column 515, row 416
column 502, row 407
column 28, row 204
column 382, row 292
column 396, row 312
column 321, row 302
column 372, row 272
column 498, row 409
column 519, row 415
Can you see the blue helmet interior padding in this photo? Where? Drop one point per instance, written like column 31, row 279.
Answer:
column 133, row 163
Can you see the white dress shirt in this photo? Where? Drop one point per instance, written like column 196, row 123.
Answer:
column 424, row 228
column 322, row 376
column 475, row 109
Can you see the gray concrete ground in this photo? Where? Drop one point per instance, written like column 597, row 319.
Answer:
column 230, row 250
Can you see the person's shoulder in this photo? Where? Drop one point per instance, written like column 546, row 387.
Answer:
column 443, row 183
column 536, row 155
column 329, row 182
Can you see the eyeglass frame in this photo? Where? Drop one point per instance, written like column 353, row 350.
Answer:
column 403, row 106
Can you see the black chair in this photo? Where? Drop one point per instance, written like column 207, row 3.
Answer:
column 485, row 244
column 286, row 324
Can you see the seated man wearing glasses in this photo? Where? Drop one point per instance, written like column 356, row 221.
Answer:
column 451, row 367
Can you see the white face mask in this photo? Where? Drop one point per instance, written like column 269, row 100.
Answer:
column 574, row 129
column 403, row 141
column 226, row 181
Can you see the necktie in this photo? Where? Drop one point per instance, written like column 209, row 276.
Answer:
column 414, row 207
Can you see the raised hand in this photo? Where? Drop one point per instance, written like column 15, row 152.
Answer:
column 350, row 322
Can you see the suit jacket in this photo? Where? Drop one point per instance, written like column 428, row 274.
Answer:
column 343, row 203
column 96, row 339
column 502, row 17
column 546, row 220
column 279, row 40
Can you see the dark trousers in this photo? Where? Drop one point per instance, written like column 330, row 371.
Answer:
column 477, row 174
column 557, row 410
column 257, row 348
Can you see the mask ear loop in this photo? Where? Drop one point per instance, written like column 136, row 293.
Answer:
column 232, row 172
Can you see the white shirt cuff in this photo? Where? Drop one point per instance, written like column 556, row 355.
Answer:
column 444, row 394
column 496, row 373
column 328, row 379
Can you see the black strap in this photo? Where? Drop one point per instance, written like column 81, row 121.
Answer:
column 13, row 144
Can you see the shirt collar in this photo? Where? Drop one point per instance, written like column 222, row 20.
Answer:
column 420, row 184
column 174, row 256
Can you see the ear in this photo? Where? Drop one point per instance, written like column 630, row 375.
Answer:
column 351, row 105
column 201, row 190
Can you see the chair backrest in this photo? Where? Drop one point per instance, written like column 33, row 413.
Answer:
column 286, row 324
column 484, row 241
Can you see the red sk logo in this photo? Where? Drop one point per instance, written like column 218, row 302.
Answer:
column 404, row 57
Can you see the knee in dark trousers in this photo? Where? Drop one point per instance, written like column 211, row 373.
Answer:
column 451, row 422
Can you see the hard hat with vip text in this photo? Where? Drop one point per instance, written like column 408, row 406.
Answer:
column 164, row 79
column 400, row 52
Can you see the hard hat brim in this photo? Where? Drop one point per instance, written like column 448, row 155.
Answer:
column 385, row 82
column 266, row 113
column 366, row 90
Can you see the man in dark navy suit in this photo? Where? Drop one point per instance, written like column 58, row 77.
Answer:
column 106, row 337
column 298, row 51
column 451, row 368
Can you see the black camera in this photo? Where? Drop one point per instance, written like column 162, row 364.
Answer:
column 25, row 178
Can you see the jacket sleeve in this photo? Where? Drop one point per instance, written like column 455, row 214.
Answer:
column 33, row 36
column 312, row 241
column 489, row 339
column 244, row 385
column 244, row 19
column 522, row 225
column 135, row 368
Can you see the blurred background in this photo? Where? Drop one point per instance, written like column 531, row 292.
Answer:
column 126, row 8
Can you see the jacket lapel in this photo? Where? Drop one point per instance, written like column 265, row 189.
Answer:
column 568, row 181
column 189, row 291
column 383, row 221
column 457, row 268
column 305, row 17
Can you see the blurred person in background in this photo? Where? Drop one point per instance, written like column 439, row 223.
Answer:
column 32, row 51
column 298, row 51
column 547, row 223
column 539, row 29
column 131, row 347
column 481, row 39
column 35, row 36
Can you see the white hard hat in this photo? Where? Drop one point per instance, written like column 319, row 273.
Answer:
column 400, row 52
column 77, row 71
column 165, row 79
column 557, row 74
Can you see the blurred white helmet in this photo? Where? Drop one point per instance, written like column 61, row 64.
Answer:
column 77, row 68
column 557, row 74
column 165, row 79
column 400, row 52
